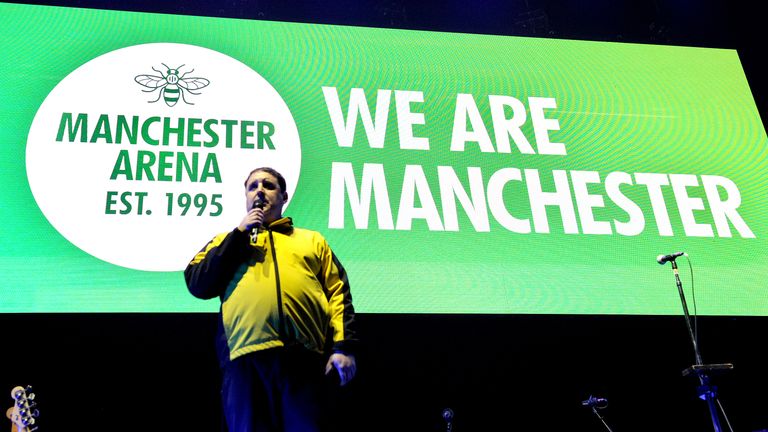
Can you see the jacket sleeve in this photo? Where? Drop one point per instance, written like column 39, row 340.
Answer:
column 342, row 313
column 209, row 272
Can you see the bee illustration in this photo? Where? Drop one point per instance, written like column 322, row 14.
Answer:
column 171, row 85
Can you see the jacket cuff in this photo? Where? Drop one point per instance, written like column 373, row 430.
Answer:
column 346, row 347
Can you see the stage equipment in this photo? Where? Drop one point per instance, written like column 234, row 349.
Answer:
column 706, row 391
column 448, row 417
column 597, row 403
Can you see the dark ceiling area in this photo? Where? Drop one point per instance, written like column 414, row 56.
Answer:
column 713, row 23
column 704, row 23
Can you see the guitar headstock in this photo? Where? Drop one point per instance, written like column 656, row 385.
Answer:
column 24, row 412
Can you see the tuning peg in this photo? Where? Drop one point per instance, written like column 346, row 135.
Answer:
column 30, row 395
column 27, row 412
column 17, row 393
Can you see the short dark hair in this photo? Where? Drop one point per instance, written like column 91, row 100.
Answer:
column 273, row 172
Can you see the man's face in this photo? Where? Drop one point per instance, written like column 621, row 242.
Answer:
column 274, row 198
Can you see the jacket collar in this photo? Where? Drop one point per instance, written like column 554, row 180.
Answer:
column 283, row 225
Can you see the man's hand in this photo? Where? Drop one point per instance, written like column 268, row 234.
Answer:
column 344, row 364
column 253, row 218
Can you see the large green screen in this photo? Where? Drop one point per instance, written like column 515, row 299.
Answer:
column 451, row 173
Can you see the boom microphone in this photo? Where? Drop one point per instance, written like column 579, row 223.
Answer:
column 662, row 259
column 596, row 402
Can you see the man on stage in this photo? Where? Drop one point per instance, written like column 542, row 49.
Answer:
column 285, row 303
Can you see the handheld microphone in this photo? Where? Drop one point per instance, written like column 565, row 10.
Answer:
column 663, row 259
column 259, row 203
column 596, row 402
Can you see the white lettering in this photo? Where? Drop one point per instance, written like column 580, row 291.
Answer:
column 636, row 222
column 585, row 202
column 465, row 106
column 406, row 119
column 722, row 211
column 373, row 181
column 415, row 183
column 654, row 182
column 451, row 188
column 542, row 126
column 686, row 205
column 345, row 131
column 505, row 127
column 496, row 201
column 561, row 198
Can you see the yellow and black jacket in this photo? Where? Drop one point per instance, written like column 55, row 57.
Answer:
column 287, row 288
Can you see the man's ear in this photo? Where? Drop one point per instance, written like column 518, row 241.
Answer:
column 285, row 196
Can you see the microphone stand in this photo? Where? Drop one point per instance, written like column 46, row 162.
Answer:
column 706, row 391
column 608, row 428
column 596, row 403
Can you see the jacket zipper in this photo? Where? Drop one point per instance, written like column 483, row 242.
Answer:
column 281, row 317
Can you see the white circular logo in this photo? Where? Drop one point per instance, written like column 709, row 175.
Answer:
column 139, row 156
